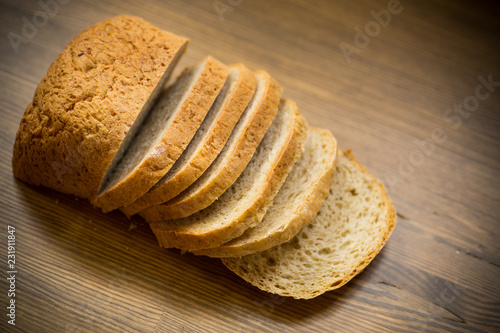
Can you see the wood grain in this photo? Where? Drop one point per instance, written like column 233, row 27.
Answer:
column 83, row 271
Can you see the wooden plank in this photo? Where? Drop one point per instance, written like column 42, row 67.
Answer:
column 80, row 270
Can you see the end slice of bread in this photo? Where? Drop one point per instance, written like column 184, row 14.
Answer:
column 233, row 158
column 163, row 136
column 89, row 105
column 207, row 142
column 245, row 203
column 296, row 203
column 349, row 230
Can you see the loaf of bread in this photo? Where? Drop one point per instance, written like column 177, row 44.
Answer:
column 217, row 163
column 91, row 103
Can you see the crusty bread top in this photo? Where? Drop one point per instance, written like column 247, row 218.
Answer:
column 351, row 227
column 243, row 204
column 164, row 135
column 296, row 203
column 207, row 142
column 88, row 102
column 233, row 158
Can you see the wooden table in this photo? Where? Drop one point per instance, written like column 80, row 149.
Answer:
column 405, row 85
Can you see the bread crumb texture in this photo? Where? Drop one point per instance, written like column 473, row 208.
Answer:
column 88, row 100
column 165, row 134
column 349, row 230
column 231, row 161
column 297, row 202
column 244, row 203
column 207, row 143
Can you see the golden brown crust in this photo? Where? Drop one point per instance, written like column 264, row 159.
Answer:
column 310, row 204
column 182, row 128
column 179, row 234
column 212, row 144
column 86, row 103
column 185, row 205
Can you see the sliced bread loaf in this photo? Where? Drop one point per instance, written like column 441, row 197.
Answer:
column 163, row 136
column 89, row 105
column 351, row 227
column 233, row 158
column 244, row 204
column 207, row 142
column 296, row 203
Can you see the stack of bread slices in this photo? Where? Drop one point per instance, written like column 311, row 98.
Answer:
column 217, row 163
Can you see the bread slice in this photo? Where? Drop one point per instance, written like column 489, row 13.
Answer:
column 207, row 142
column 296, row 203
column 90, row 103
column 244, row 204
column 164, row 135
column 233, row 158
column 350, row 229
